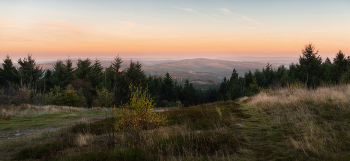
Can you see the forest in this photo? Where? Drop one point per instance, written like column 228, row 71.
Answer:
column 91, row 85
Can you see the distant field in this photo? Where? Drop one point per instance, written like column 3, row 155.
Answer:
column 286, row 124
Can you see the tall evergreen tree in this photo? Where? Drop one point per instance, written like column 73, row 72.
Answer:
column 327, row 68
column 83, row 69
column 233, row 86
column 135, row 74
column 281, row 76
column 9, row 74
column 168, row 90
column 29, row 72
column 339, row 66
column 59, row 74
column 267, row 74
column 96, row 74
column 248, row 78
column 188, row 94
column 120, row 82
column 310, row 64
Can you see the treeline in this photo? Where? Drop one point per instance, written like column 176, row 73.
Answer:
column 310, row 73
column 89, row 84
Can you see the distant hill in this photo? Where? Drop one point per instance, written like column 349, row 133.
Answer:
column 198, row 71
column 219, row 67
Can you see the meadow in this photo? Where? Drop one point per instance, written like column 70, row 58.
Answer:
column 282, row 124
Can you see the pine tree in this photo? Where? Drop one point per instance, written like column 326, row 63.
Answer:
column 120, row 82
column 9, row 74
column 327, row 68
column 59, row 74
column 188, row 94
column 168, row 90
column 83, row 69
column 96, row 74
column 310, row 64
column 29, row 72
column 233, row 91
column 135, row 74
column 339, row 66
column 48, row 78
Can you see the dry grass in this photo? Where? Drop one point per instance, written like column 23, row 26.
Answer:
column 27, row 110
column 83, row 139
column 316, row 120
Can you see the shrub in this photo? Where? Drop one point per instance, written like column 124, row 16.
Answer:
column 105, row 99
column 138, row 115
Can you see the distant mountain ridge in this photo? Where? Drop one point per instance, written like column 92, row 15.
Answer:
column 196, row 70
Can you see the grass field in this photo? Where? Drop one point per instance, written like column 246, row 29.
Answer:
column 286, row 124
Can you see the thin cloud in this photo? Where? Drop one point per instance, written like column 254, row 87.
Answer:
column 225, row 11
column 251, row 20
column 186, row 9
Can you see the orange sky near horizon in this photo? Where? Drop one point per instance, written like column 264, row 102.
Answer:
column 186, row 30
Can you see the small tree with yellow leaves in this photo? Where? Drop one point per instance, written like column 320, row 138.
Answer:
column 138, row 114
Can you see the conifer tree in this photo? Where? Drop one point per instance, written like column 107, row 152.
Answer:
column 168, row 90
column 9, row 74
column 96, row 74
column 310, row 64
column 83, row 69
column 29, row 72
column 339, row 66
column 189, row 94
column 120, row 82
column 248, row 77
column 327, row 68
column 135, row 74
column 59, row 74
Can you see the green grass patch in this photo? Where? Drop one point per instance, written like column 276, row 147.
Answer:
column 130, row 154
column 45, row 151
column 200, row 143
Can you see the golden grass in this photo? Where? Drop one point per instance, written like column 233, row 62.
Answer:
column 317, row 118
column 83, row 139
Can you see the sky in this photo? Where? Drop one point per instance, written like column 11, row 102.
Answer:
column 51, row 29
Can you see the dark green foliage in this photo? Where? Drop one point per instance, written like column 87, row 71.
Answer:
column 205, row 143
column 96, row 74
column 8, row 73
column 83, row 69
column 135, row 74
column 310, row 64
column 96, row 128
column 62, row 73
column 168, row 89
column 29, row 72
column 253, row 88
column 86, row 89
column 48, row 78
column 233, row 86
column 188, row 94
column 130, row 154
column 42, row 151
column 204, row 117
column 339, row 66
column 327, row 69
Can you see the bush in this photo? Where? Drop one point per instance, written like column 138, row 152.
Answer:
column 138, row 115
column 105, row 99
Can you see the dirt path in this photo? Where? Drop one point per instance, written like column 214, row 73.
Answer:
column 17, row 133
